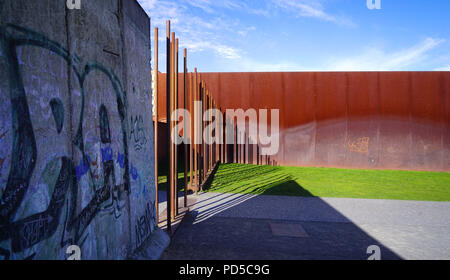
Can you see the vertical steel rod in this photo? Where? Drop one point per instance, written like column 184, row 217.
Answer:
column 176, row 121
column 185, row 133
column 168, row 107
column 192, row 143
column 155, row 133
column 195, row 131
column 172, row 144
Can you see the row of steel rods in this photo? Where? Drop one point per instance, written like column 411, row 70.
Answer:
column 201, row 153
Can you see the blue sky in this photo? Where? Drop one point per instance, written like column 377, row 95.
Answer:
column 306, row 35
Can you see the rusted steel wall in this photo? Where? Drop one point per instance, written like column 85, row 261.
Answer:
column 386, row 120
column 162, row 95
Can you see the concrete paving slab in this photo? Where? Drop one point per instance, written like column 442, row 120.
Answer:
column 290, row 230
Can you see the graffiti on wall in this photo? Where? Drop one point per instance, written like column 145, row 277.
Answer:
column 97, row 185
column 143, row 225
column 137, row 132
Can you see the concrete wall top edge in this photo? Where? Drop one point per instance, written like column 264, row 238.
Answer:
column 137, row 14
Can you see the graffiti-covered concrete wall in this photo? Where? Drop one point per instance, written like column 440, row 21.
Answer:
column 76, row 156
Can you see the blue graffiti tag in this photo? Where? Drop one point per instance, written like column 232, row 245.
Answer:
column 134, row 172
column 107, row 154
column 83, row 167
column 121, row 160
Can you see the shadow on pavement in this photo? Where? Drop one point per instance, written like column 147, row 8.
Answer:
column 245, row 227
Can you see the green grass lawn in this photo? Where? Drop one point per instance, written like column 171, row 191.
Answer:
column 329, row 182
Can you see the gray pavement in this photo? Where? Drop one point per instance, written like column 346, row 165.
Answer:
column 162, row 199
column 236, row 226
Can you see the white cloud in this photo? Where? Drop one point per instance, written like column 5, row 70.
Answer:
column 312, row 9
column 445, row 68
column 195, row 33
column 222, row 51
column 212, row 30
column 205, row 5
column 250, row 65
column 227, row 52
column 147, row 4
column 372, row 59
column 376, row 59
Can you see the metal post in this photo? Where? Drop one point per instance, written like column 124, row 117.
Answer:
column 192, row 144
column 245, row 149
column 241, row 136
column 176, row 121
column 235, row 157
column 168, row 107
column 257, row 154
column 217, row 157
column 156, row 125
column 185, row 133
column 238, row 146
column 249, row 150
column 195, row 131
column 225, row 144
column 172, row 144
column 210, row 158
column 204, row 143
column 200, row 136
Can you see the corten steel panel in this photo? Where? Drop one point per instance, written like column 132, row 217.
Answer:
column 298, row 114
column 363, row 120
column 331, row 117
column 426, row 120
column 235, row 89
column 267, row 92
column 395, row 126
column 162, row 95
column 213, row 84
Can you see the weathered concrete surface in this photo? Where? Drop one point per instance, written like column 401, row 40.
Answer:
column 76, row 132
column 153, row 247
column 236, row 226
column 384, row 120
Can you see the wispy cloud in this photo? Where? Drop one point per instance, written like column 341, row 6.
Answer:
column 223, row 51
column 312, row 9
column 213, row 31
column 218, row 30
column 445, row 68
column 246, row 64
column 376, row 59
column 205, row 5
column 196, row 33
column 372, row 59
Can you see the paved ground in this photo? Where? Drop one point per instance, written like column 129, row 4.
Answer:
column 234, row 226
column 162, row 198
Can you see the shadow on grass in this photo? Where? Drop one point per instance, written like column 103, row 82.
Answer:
column 254, row 179
column 162, row 175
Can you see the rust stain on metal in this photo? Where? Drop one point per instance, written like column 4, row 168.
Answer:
column 361, row 145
